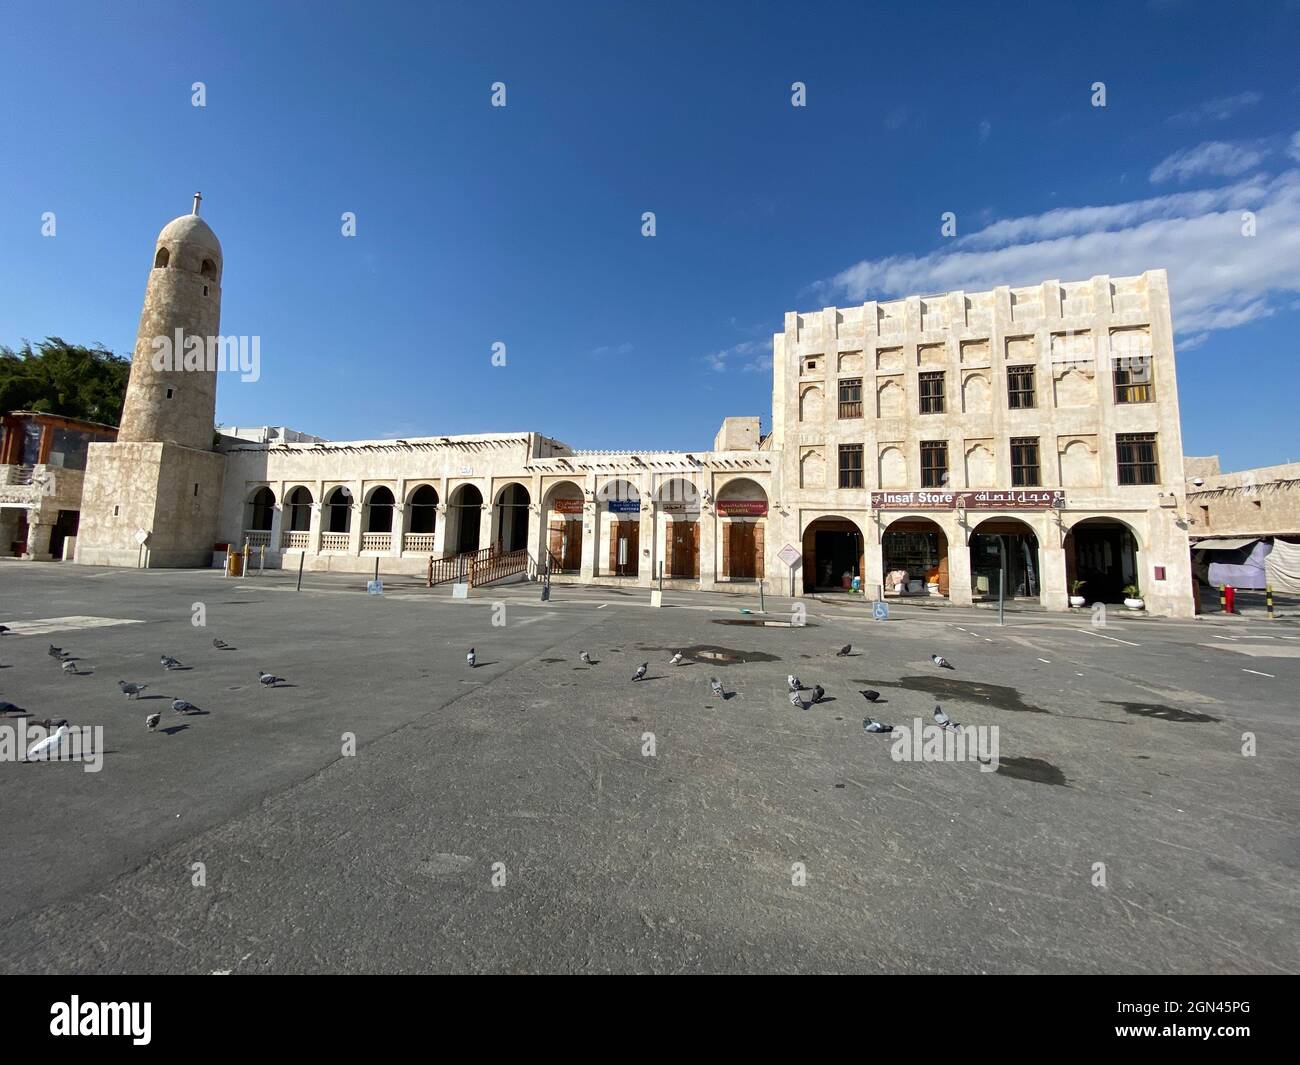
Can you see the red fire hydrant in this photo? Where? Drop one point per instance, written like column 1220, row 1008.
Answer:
column 1229, row 599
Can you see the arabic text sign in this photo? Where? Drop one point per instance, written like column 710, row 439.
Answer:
column 751, row 508
column 992, row 499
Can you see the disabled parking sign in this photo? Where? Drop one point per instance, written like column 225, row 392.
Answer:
column 880, row 611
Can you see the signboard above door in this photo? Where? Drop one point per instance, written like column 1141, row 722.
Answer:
column 988, row 499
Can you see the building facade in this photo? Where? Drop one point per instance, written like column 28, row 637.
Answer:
column 950, row 446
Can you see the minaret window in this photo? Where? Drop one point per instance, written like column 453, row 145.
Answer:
column 171, row 392
column 161, row 259
column 209, row 269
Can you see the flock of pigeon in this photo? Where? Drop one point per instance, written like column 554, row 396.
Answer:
column 130, row 689
column 796, row 686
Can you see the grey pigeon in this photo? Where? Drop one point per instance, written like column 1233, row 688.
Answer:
column 676, row 659
column 941, row 662
column 796, row 685
column 640, row 671
column 3, row 629
column 718, row 690
column 220, row 644
column 870, row 696
column 49, row 723
column 56, row 652
column 69, row 667
column 269, row 679
column 796, row 701
column 586, row 658
column 872, row 725
column 471, row 658
column 817, row 694
column 168, row 662
column 181, row 706
column 843, row 651
column 945, row 722
column 7, row 708
column 131, row 689
column 151, row 722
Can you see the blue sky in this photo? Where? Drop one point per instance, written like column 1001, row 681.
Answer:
column 522, row 224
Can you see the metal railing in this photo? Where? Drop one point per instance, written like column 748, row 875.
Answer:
column 16, row 474
column 454, row 567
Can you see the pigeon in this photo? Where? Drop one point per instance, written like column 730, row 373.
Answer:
column 640, row 671
column 945, row 722
column 869, row 695
column 56, row 652
column 7, row 708
column 586, row 658
column 47, row 744
column 796, row 685
column 151, row 722
column 844, row 651
column 3, row 629
column 182, row 706
column 795, row 701
column 269, row 679
column 676, row 659
column 817, row 694
column 941, row 662
column 871, row 725
column 471, row 658
column 718, row 690
column 69, row 667
column 131, row 689
column 168, row 662
column 48, row 723
column 220, row 644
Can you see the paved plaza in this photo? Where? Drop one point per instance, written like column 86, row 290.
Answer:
column 537, row 814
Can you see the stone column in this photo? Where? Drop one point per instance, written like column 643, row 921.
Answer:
column 959, row 587
column 317, row 518
column 277, row 523
column 709, row 521
column 440, row 530
column 38, row 539
column 590, row 536
column 485, row 528
column 358, row 519
column 874, row 570
column 1053, row 594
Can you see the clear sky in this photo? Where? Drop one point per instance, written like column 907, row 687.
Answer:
column 522, row 225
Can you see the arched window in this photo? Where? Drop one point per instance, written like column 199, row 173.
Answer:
column 338, row 505
column 161, row 259
column 424, row 509
column 209, row 269
column 379, row 512
column 261, row 507
column 299, row 510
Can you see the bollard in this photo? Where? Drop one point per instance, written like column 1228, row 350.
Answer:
column 1223, row 599
column 302, row 557
column 1230, row 599
column 1268, row 600
column 247, row 552
column 430, row 582
column 1001, row 582
column 261, row 560
column 762, row 609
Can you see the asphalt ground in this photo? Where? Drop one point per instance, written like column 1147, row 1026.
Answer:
column 512, row 818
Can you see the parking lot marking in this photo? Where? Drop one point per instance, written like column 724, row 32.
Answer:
column 42, row 626
column 1103, row 636
column 1259, row 674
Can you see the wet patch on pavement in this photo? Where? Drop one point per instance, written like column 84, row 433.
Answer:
column 1163, row 713
column 1035, row 770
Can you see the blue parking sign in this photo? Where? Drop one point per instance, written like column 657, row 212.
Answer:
column 880, row 611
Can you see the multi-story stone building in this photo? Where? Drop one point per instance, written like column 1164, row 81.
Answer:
column 939, row 445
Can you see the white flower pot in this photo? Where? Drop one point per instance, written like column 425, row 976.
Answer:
column 1134, row 604
column 1076, row 600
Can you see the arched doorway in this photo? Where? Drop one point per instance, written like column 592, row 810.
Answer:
column 563, row 517
column 338, row 511
column 379, row 511
column 742, row 518
column 618, row 514
column 678, row 506
column 1103, row 553
column 464, row 515
column 914, row 554
column 1004, row 554
column 421, row 519
column 511, row 518
column 832, row 550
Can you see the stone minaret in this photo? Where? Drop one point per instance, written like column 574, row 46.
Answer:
column 175, row 404
column 152, row 498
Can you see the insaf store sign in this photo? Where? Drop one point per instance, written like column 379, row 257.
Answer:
column 1011, row 499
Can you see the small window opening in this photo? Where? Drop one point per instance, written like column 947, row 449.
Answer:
column 171, row 392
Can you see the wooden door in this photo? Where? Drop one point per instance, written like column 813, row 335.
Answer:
column 631, row 532
column 572, row 546
column 739, row 563
column 685, row 549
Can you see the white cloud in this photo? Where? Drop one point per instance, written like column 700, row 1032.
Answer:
column 1219, row 109
column 748, row 355
column 625, row 348
column 1218, row 278
column 1294, row 150
column 986, row 127
column 1211, row 159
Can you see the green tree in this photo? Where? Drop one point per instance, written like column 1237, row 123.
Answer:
column 56, row 377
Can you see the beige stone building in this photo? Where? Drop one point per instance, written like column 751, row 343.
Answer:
column 936, row 446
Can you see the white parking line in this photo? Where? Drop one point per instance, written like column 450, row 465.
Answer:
column 1102, row 636
column 1215, row 636
column 1259, row 674
column 1045, row 661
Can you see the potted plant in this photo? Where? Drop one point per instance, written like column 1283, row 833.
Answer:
column 1133, row 597
column 1075, row 598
